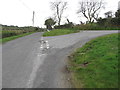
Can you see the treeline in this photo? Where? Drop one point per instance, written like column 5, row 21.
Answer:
column 8, row 31
column 108, row 23
column 25, row 29
column 89, row 10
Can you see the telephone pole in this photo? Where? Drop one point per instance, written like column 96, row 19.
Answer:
column 119, row 5
column 33, row 18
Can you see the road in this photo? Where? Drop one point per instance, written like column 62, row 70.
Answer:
column 26, row 65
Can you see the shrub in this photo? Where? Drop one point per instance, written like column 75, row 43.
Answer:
column 70, row 25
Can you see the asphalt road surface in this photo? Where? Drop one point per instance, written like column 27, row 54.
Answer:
column 27, row 64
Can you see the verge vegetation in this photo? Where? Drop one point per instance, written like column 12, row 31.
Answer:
column 3, row 40
column 95, row 65
column 59, row 32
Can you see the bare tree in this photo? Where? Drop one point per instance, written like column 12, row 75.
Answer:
column 59, row 8
column 90, row 9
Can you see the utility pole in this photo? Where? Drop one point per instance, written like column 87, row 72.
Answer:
column 33, row 18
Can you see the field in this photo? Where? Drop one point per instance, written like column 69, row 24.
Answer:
column 95, row 65
column 8, row 33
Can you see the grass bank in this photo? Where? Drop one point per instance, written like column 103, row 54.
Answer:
column 3, row 40
column 57, row 32
column 95, row 65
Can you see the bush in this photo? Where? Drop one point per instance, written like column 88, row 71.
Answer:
column 93, row 26
column 115, row 21
column 70, row 25
column 101, row 21
column 96, row 26
column 110, row 22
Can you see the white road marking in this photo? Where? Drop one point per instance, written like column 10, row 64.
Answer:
column 46, row 41
column 44, row 44
column 41, row 47
column 37, row 62
column 41, row 54
column 47, row 47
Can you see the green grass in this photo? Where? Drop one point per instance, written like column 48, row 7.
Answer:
column 95, row 65
column 3, row 40
column 57, row 32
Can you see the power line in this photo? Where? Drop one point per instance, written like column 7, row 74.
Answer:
column 25, row 5
column 33, row 17
column 33, row 11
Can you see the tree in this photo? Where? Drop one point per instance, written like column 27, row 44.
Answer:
column 59, row 8
column 90, row 9
column 49, row 23
column 117, row 14
column 109, row 14
column 117, row 17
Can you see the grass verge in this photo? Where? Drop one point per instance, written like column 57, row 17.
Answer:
column 95, row 65
column 57, row 32
column 3, row 40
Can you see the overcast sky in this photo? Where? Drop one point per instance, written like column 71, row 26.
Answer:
column 19, row 12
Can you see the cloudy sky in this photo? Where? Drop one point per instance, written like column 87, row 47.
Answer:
column 19, row 12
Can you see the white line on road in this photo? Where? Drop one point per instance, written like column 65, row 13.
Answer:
column 37, row 62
